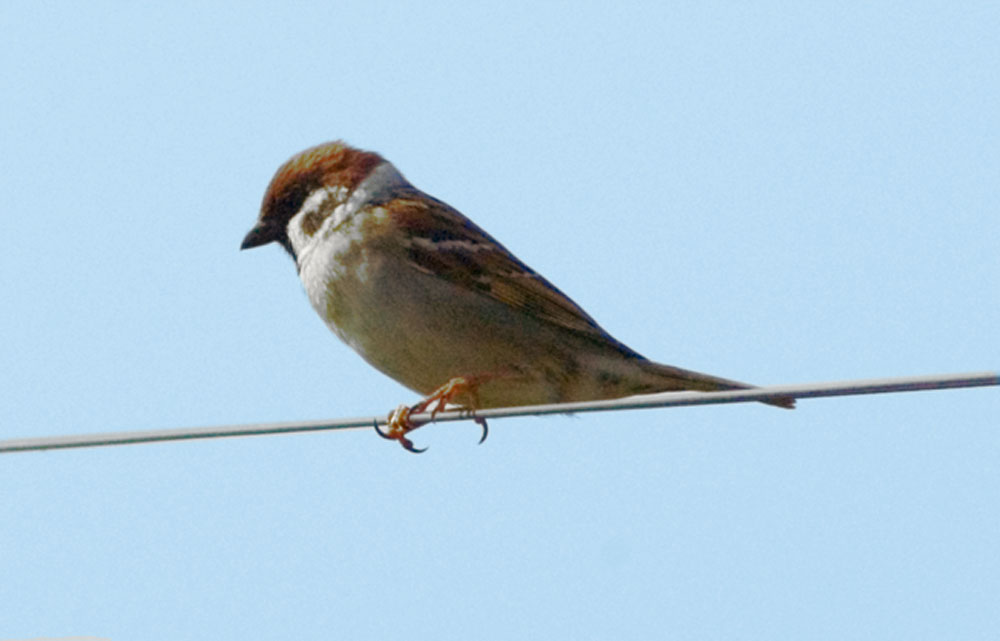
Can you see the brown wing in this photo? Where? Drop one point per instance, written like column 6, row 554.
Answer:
column 444, row 242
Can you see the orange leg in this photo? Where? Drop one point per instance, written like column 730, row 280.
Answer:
column 399, row 423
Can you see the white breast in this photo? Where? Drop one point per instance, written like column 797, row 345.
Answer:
column 324, row 259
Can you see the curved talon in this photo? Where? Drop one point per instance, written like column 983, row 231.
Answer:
column 398, row 424
column 385, row 435
column 408, row 446
column 486, row 429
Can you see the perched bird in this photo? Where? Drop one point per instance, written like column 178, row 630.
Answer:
column 436, row 303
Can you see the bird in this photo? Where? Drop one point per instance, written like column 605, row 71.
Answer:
column 430, row 299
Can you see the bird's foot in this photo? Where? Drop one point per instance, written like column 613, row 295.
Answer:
column 399, row 423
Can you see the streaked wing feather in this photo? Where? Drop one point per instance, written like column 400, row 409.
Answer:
column 448, row 244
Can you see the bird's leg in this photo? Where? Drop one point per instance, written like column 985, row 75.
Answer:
column 443, row 395
column 399, row 423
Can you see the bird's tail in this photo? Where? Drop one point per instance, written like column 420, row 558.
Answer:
column 668, row 378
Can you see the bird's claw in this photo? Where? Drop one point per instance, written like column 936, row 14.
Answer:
column 397, row 426
column 399, row 423
column 408, row 446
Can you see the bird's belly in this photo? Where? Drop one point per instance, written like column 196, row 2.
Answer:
column 423, row 331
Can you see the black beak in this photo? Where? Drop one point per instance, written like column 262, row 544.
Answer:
column 261, row 234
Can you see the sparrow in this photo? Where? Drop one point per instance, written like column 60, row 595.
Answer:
column 433, row 301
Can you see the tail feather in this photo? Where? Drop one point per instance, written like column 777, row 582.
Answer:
column 675, row 378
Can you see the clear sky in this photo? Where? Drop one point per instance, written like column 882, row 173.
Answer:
column 775, row 192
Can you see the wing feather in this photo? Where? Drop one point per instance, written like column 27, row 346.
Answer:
column 444, row 242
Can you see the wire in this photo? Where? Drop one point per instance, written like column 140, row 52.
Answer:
column 668, row 399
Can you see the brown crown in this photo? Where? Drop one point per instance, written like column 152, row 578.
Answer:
column 331, row 164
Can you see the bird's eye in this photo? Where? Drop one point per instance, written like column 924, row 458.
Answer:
column 291, row 202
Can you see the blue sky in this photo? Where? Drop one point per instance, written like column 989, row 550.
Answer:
column 775, row 192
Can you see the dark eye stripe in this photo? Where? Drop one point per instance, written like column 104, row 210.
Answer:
column 290, row 202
